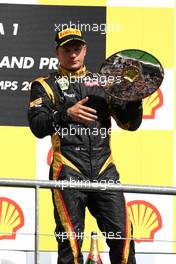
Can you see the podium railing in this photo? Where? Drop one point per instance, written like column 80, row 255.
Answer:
column 82, row 186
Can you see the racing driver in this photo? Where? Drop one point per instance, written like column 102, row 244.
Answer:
column 76, row 113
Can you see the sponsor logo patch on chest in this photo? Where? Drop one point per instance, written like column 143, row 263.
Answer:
column 71, row 95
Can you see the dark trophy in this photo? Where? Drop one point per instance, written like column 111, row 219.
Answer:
column 131, row 74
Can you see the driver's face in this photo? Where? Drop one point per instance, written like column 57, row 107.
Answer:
column 71, row 55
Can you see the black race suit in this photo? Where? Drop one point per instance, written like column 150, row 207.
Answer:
column 82, row 153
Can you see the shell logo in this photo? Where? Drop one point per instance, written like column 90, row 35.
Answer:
column 151, row 104
column 11, row 218
column 146, row 220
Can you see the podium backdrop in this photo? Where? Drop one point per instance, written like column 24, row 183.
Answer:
column 146, row 156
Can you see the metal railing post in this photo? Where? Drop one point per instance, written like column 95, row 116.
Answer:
column 36, row 237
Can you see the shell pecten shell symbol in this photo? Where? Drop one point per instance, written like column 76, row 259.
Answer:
column 11, row 218
column 151, row 104
column 146, row 220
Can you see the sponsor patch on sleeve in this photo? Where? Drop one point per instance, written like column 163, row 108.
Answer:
column 37, row 102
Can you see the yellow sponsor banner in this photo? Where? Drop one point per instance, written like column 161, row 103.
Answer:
column 149, row 29
column 18, row 153
column 74, row 2
column 175, row 94
column 144, row 156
